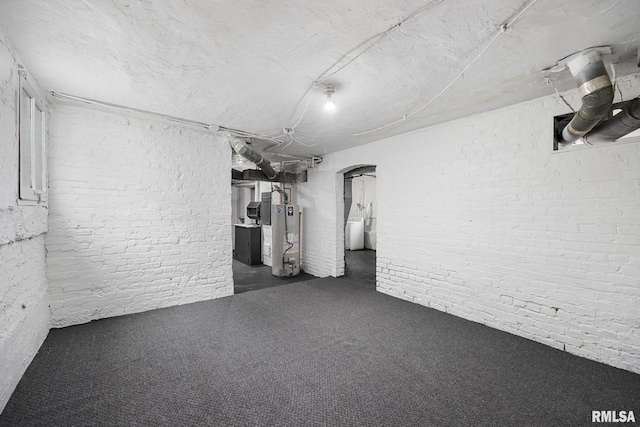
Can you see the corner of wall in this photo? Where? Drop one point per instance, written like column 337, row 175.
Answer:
column 24, row 309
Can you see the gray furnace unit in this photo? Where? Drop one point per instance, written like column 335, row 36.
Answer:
column 285, row 248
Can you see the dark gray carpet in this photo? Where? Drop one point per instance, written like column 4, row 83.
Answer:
column 254, row 277
column 361, row 265
column 326, row 352
column 358, row 264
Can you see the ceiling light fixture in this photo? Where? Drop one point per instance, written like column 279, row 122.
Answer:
column 328, row 92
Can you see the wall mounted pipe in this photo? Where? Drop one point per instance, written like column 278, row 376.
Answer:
column 241, row 147
column 596, row 90
column 623, row 123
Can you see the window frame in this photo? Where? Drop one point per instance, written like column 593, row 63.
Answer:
column 32, row 142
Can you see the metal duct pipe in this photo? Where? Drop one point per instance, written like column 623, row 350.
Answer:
column 596, row 91
column 623, row 123
column 241, row 147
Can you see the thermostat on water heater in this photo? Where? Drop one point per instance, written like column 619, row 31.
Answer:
column 289, row 210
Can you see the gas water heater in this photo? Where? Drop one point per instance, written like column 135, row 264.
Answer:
column 285, row 248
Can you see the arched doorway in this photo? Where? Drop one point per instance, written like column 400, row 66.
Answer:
column 360, row 223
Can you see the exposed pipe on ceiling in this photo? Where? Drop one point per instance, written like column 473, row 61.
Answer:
column 623, row 123
column 65, row 98
column 596, row 90
column 241, row 147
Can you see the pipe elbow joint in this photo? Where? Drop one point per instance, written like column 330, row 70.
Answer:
column 241, row 147
column 597, row 94
column 595, row 106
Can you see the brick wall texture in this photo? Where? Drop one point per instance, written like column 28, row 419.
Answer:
column 479, row 218
column 24, row 313
column 140, row 216
column 476, row 217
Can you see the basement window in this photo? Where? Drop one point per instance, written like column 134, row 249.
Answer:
column 32, row 135
column 561, row 121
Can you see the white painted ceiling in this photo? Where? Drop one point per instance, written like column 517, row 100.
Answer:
column 251, row 65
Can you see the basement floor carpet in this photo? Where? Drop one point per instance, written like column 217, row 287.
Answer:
column 254, row 277
column 323, row 352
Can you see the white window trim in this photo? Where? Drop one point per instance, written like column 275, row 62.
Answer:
column 28, row 192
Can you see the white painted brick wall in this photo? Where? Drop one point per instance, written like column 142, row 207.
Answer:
column 24, row 312
column 494, row 227
column 320, row 199
column 140, row 216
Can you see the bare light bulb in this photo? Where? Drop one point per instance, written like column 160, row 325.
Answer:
column 328, row 91
column 329, row 105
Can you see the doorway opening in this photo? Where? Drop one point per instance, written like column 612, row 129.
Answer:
column 252, row 237
column 360, row 223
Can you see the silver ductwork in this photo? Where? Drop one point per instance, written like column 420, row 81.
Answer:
column 596, row 90
column 241, row 147
column 623, row 123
